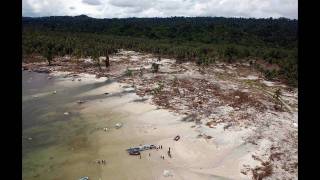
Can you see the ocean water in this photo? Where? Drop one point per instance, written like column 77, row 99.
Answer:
column 57, row 146
column 54, row 145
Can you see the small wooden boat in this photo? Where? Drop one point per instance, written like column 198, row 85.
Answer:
column 177, row 138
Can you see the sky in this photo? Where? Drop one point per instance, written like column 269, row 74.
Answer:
column 161, row 8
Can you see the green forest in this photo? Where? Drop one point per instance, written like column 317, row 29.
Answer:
column 203, row 40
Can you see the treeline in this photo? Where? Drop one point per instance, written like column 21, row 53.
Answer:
column 218, row 30
column 203, row 40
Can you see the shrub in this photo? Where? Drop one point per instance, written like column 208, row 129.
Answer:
column 158, row 88
column 231, row 53
column 270, row 75
column 155, row 67
column 128, row 72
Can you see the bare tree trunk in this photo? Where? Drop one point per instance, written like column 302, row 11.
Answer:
column 107, row 61
column 99, row 66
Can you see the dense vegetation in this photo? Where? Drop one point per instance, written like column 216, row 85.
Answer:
column 200, row 39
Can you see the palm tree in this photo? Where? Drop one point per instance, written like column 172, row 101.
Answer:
column 48, row 53
column 95, row 57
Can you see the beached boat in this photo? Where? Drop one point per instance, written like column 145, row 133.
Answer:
column 136, row 150
column 147, row 147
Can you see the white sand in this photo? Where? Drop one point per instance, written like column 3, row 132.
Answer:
column 216, row 158
column 222, row 157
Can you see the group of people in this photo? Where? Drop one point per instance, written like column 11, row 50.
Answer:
column 101, row 161
column 162, row 156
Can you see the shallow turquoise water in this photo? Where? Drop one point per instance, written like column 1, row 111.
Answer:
column 58, row 141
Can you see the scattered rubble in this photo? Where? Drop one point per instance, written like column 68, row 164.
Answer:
column 118, row 125
column 211, row 124
column 167, row 173
column 84, row 178
column 261, row 172
column 227, row 126
column 177, row 138
column 42, row 70
column 209, row 96
column 80, row 101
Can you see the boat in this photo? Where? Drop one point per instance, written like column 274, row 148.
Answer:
column 147, row 147
column 133, row 149
column 136, row 150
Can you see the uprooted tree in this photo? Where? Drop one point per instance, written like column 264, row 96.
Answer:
column 276, row 97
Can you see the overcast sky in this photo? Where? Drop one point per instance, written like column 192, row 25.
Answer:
column 161, row 8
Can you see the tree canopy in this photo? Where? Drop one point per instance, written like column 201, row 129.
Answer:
column 200, row 39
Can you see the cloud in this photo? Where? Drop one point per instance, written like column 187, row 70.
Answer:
column 43, row 7
column 131, row 3
column 92, row 2
column 162, row 8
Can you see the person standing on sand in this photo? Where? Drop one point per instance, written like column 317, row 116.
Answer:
column 139, row 156
column 169, row 152
column 149, row 154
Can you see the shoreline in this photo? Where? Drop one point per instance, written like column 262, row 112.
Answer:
column 209, row 147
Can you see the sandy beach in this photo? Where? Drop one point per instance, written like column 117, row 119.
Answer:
column 219, row 140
